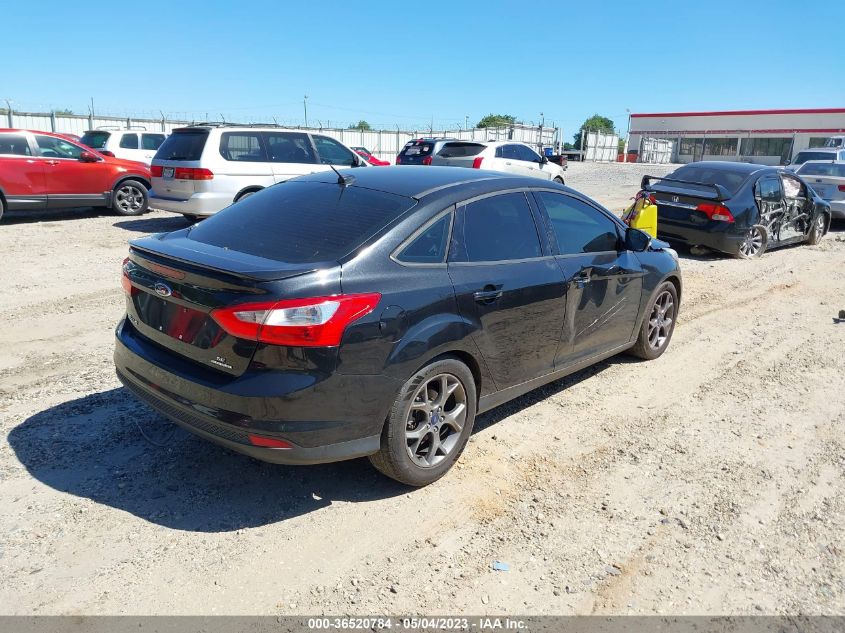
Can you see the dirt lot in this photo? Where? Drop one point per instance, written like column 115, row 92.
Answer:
column 709, row 481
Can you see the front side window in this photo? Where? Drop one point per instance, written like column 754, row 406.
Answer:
column 151, row 141
column 14, row 144
column 578, row 227
column 333, row 153
column 429, row 247
column 497, row 228
column 129, row 141
column 52, row 147
column 242, row 146
column 525, row 154
column 289, row 147
column 768, row 188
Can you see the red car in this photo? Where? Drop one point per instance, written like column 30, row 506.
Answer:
column 364, row 153
column 41, row 170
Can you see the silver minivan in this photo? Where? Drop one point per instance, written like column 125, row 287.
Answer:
column 204, row 168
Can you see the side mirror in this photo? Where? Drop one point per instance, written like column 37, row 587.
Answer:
column 787, row 162
column 544, row 160
column 88, row 157
column 636, row 240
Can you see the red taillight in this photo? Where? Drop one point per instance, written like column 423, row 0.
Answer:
column 128, row 288
column 398, row 160
column 841, row 187
column 106, row 152
column 717, row 212
column 268, row 442
column 427, row 160
column 476, row 164
column 315, row 322
column 192, row 173
column 156, row 171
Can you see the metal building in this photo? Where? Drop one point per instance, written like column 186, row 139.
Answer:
column 769, row 137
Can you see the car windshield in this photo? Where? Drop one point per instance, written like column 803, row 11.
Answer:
column 728, row 178
column 803, row 157
column 96, row 140
column 288, row 222
column 183, row 145
column 836, row 170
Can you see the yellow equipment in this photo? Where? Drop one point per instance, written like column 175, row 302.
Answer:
column 642, row 214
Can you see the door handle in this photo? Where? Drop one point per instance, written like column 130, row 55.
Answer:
column 488, row 294
column 507, row 162
column 52, row 162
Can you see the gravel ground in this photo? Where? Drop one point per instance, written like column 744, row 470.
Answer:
column 709, row 481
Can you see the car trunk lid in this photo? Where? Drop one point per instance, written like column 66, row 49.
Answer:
column 176, row 167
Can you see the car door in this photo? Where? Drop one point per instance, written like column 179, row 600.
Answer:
column 511, row 163
column 150, row 142
column 291, row 154
column 129, row 147
column 604, row 282
column 508, row 285
column 70, row 181
column 530, row 162
column 332, row 152
column 21, row 173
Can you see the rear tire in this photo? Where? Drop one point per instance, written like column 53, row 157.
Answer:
column 558, row 179
column 817, row 232
column 2, row 207
column 659, row 323
column 244, row 195
column 130, row 198
column 193, row 219
column 429, row 424
column 755, row 243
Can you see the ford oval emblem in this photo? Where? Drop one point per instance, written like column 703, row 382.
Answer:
column 162, row 290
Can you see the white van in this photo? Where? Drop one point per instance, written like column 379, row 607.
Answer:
column 130, row 144
column 203, row 168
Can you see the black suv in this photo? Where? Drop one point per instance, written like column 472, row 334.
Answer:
column 377, row 311
column 420, row 151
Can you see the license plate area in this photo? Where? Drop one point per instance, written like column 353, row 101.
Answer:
column 167, row 172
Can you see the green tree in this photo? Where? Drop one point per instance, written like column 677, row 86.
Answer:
column 361, row 125
column 595, row 123
column 63, row 111
column 496, row 120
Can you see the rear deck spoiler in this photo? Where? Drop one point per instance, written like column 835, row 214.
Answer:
column 720, row 191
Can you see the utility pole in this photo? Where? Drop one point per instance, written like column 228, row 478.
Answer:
column 627, row 136
column 466, row 124
column 305, row 108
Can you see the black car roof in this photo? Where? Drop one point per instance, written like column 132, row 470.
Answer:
column 735, row 166
column 417, row 181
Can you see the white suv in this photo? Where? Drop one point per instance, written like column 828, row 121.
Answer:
column 204, row 168
column 137, row 145
column 508, row 156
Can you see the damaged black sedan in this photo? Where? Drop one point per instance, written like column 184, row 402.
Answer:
column 741, row 209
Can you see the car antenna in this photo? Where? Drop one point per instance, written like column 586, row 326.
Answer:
column 342, row 180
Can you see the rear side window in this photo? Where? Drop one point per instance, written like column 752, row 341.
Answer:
column 578, row 227
column 429, row 247
column 498, row 228
column 333, row 153
column 302, row 222
column 151, row 141
column 183, row 145
column 129, row 141
column 459, row 150
column 14, row 144
column 730, row 180
column 95, row 140
column 289, row 147
column 242, row 146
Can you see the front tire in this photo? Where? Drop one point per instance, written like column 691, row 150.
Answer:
column 817, row 232
column 130, row 198
column 2, row 207
column 429, row 424
column 755, row 243
column 559, row 180
column 658, row 324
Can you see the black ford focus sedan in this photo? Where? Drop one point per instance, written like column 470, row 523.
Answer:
column 377, row 312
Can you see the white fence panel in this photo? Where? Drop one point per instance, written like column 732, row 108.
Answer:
column 656, row 150
column 601, row 146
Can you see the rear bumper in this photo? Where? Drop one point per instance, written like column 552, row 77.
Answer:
column 202, row 204
column 725, row 241
column 330, row 418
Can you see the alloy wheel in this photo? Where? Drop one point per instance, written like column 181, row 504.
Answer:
column 435, row 420
column 661, row 320
column 819, row 227
column 129, row 198
column 753, row 242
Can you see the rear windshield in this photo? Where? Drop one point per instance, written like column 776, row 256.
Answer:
column 837, row 170
column 183, row 145
column 95, row 140
column 803, row 157
column 302, row 222
column 730, row 180
column 457, row 150
column 417, row 148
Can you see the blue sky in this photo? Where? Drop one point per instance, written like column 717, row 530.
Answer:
column 411, row 63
